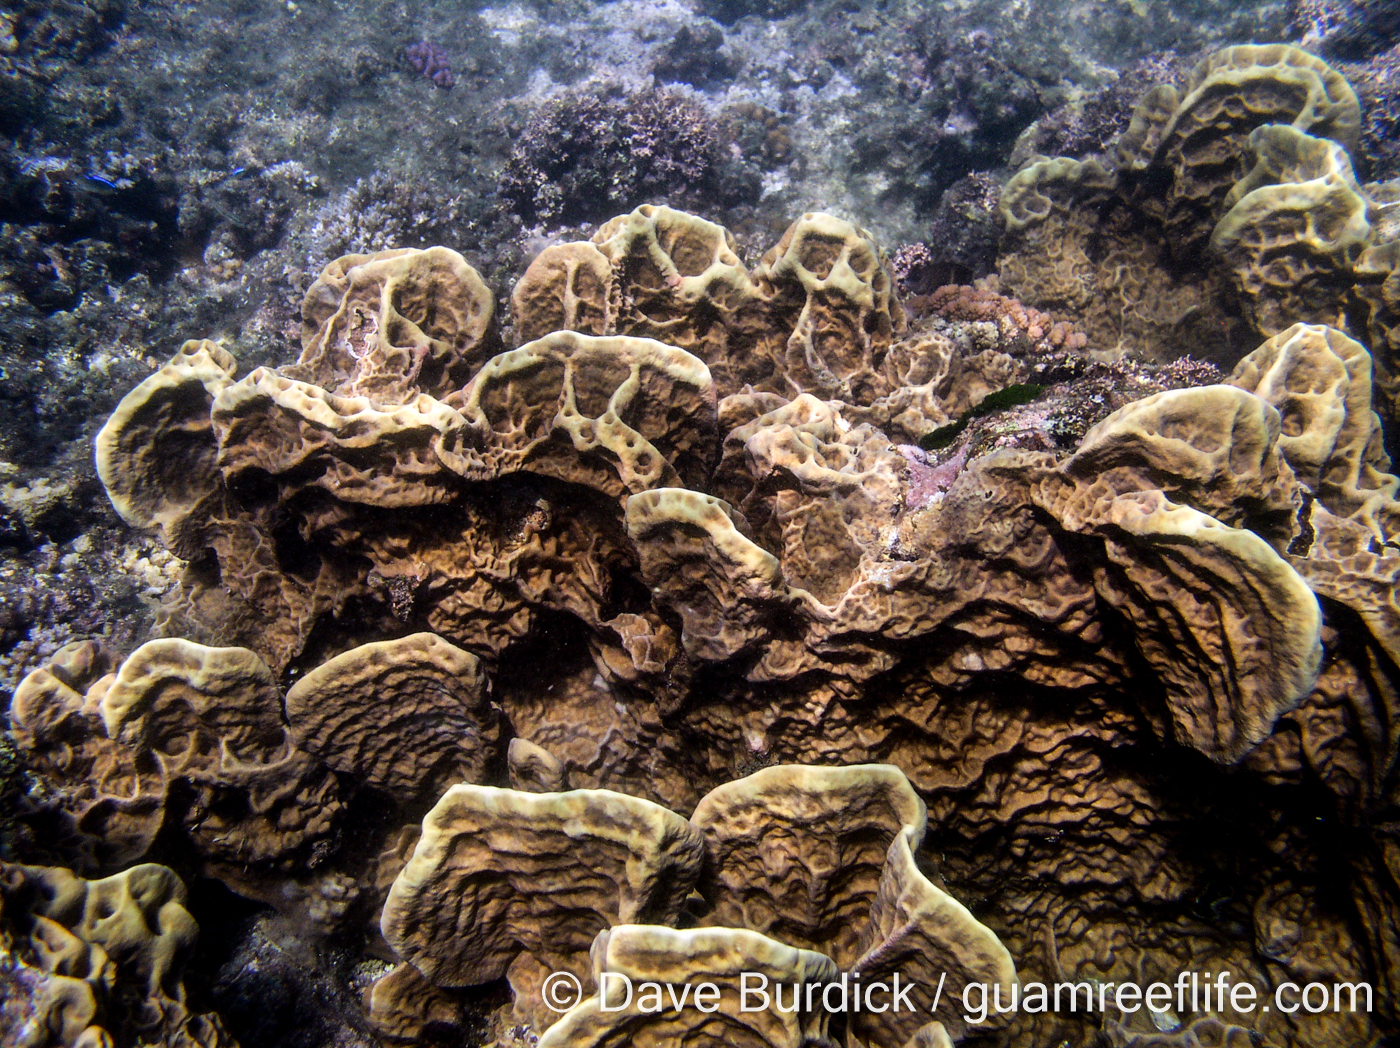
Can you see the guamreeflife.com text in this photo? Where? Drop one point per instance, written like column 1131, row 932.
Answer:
column 1192, row 993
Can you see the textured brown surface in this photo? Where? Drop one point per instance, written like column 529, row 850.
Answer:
column 615, row 413
column 1320, row 382
column 566, row 288
column 797, row 852
column 113, row 802
column 1204, row 1033
column 827, row 283
column 720, row 956
column 269, row 426
column 513, row 883
column 1295, row 227
column 607, row 415
column 405, row 1009
column 725, row 588
column 1141, row 681
column 111, row 954
column 156, row 455
column 1198, row 134
column 1075, row 247
column 922, row 933
column 1234, row 194
column 1212, row 447
column 1376, row 303
column 811, row 485
column 656, row 273
column 1226, row 682
column 182, row 741
column 395, row 323
column 534, row 769
column 931, row 1035
column 410, row 716
column 808, row 857
column 211, row 719
column 817, row 314
column 822, row 858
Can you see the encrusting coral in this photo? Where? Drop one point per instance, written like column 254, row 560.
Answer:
column 1233, row 213
column 519, row 884
column 809, row 872
column 98, row 961
column 721, row 957
column 940, row 692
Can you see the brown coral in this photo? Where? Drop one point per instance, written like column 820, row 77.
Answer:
column 828, row 284
column 658, row 273
column 725, row 958
column 155, row 454
column 613, row 414
column 518, row 884
column 1237, row 187
column 115, row 801
column 796, row 853
column 823, row 858
column 1197, row 134
column 1320, row 382
column 806, row 856
column 110, row 954
column 1140, row 686
column 1074, row 247
column 816, row 315
column 211, row 720
column 1296, row 226
column 395, row 323
column 1375, row 300
column 408, row 716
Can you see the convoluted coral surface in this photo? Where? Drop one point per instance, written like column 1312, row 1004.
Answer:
column 696, row 621
column 741, row 621
column 1233, row 211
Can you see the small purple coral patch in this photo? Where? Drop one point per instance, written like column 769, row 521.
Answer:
column 430, row 61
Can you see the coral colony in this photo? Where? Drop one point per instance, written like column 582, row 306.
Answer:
column 612, row 626
column 430, row 61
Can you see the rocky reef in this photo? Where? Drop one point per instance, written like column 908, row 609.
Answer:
column 462, row 630
column 666, row 603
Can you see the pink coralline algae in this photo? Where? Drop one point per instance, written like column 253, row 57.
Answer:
column 430, row 61
column 927, row 480
column 983, row 302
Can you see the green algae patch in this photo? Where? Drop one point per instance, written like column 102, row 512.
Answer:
column 1010, row 397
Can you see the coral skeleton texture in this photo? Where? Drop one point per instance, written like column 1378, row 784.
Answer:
column 741, row 619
